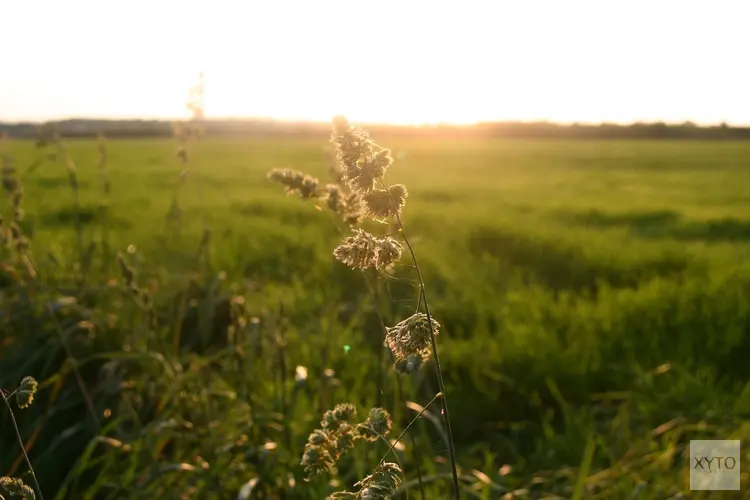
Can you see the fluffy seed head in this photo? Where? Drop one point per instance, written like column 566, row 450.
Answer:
column 333, row 419
column 380, row 204
column 326, row 446
column 353, row 214
column 316, row 460
column 26, row 390
column 380, row 161
column 345, row 412
column 382, row 483
column 295, row 182
column 373, row 168
column 334, row 197
column 411, row 337
column 318, row 438
column 360, row 160
column 351, row 145
column 347, row 205
column 378, row 423
column 11, row 487
column 364, row 250
column 345, row 437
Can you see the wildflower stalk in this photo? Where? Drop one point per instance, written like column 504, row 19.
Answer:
column 400, row 436
column 373, row 290
column 12, row 235
column 184, row 133
column 438, row 370
column 21, row 444
column 399, row 386
column 361, row 164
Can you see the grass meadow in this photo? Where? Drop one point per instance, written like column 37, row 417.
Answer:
column 594, row 298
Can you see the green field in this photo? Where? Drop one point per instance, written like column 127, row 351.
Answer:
column 594, row 298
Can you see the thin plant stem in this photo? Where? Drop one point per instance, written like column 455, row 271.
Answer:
column 398, row 460
column 376, row 302
column 20, row 443
column 438, row 370
column 398, row 439
column 399, row 386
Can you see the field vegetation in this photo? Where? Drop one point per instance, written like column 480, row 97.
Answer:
column 189, row 326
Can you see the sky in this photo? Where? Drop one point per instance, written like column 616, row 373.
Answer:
column 392, row 61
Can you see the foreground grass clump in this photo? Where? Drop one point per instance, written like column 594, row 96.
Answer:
column 594, row 299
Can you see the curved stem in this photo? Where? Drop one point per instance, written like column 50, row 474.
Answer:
column 438, row 370
column 20, row 443
column 406, row 429
column 398, row 460
column 400, row 396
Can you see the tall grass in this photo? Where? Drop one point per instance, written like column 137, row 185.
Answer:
column 361, row 167
column 585, row 348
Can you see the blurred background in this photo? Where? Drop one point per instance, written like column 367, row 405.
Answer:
column 577, row 180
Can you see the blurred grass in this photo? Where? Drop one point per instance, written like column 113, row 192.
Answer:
column 595, row 298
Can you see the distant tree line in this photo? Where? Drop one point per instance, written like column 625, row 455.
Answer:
column 270, row 128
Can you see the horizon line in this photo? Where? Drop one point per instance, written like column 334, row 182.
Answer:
column 40, row 121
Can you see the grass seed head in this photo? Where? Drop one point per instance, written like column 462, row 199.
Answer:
column 345, row 412
column 363, row 251
column 378, row 423
column 351, row 145
column 345, row 437
column 26, row 391
column 334, row 197
column 326, row 446
column 381, row 204
column 318, row 438
column 14, row 488
column 411, row 337
column 296, row 182
column 342, row 413
column 389, row 252
column 360, row 160
column 316, row 460
column 382, row 483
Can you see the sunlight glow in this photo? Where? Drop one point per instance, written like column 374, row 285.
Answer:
column 387, row 61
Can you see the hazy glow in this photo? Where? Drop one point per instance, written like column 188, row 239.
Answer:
column 392, row 61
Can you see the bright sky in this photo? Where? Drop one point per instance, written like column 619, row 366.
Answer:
column 379, row 60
